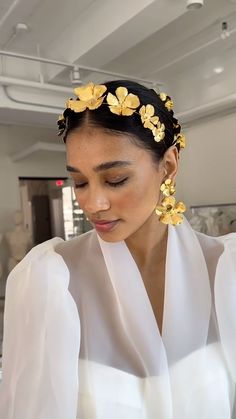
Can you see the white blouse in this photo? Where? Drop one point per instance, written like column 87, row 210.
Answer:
column 81, row 340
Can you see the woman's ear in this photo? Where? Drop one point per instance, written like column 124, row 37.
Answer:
column 170, row 162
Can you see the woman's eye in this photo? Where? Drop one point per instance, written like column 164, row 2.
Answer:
column 117, row 183
column 80, row 185
column 114, row 184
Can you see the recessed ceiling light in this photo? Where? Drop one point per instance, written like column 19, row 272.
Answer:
column 194, row 4
column 218, row 70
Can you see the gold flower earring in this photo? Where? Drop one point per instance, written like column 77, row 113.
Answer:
column 170, row 211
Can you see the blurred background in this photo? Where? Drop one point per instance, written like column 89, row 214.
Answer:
column 184, row 48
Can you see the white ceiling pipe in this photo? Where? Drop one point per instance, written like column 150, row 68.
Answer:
column 81, row 67
column 10, row 81
column 35, row 58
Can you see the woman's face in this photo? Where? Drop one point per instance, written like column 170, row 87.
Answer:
column 116, row 182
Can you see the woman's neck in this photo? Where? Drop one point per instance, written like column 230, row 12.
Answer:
column 148, row 244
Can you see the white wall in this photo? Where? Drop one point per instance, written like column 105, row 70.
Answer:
column 207, row 172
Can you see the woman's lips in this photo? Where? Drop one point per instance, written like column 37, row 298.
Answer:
column 105, row 226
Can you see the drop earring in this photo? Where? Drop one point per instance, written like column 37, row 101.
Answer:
column 170, row 211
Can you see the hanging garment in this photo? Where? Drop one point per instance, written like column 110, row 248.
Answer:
column 81, row 340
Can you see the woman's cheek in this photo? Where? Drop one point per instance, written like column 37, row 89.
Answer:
column 129, row 199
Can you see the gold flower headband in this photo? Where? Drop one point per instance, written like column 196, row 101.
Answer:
column 92, row 96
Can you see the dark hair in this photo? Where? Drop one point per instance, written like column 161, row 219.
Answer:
column 132, row 125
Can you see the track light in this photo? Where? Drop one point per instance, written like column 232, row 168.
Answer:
column 224, row 31
column 75, row 75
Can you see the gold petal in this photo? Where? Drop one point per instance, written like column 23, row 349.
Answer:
column 116, row 109
column 169, row 105
column 61, row 118
column 150, row 110
column 176, row 219
column 181, row 140
column 157, row 139
column 99, row 90
column 158, row 135
column 76, row 105
column 169, row 200
column 148, row 124
column 131, row 101
column 112, row 100
column 166, row 219
column 163, row 96
column 84, row 93
column 95, row 103
column 180, row 207
column 127, row 111
column 121, row 93
column 161, row 135
column 154, row 120
column 159, row 210
column 142, row 112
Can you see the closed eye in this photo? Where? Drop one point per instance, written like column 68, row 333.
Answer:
column 111, row 184
column 117, row 184
column 80, row 185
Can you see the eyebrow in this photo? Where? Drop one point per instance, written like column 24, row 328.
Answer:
column 102, row 166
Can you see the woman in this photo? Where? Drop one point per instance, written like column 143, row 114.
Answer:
column 136, row 318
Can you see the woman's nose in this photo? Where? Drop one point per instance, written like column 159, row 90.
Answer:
column 96, row 202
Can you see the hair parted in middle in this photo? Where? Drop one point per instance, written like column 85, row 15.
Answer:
column 125, row 107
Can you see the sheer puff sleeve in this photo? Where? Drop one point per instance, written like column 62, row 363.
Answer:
column 225, row 300
column 41, row 339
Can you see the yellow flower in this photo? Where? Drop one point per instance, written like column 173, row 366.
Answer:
column 61, row 122
column 123, row 103
column 180, row 139
column 61, row 118
column 159, row 132
column 169, row 105
column 167, row 187
column 168, row 102
column 163, row 96
column 170, row 212
column 147, row 116
column 90, row 96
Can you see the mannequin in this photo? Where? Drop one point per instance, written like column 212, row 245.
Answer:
column 19, row 241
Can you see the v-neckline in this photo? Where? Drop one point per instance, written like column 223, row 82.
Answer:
column 145, row 283
column 187, row 294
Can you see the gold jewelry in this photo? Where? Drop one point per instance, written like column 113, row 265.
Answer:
column 168, row 187
column 170, row 211
column 123, row 103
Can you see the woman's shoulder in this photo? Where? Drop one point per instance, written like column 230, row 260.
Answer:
column 50, row 247
column 216, row 245
column 78, row 245
column 37, row 253
column 220, row 250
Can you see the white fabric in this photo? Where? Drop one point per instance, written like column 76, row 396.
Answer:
column 120, row 366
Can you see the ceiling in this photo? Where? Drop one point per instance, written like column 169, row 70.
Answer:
column 180, row 51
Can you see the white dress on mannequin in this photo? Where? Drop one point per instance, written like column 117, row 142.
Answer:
column 81, row 340
column 19, row 241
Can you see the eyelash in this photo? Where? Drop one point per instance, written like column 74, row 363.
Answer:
column 112, row 184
